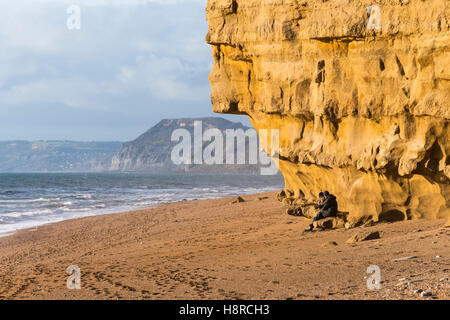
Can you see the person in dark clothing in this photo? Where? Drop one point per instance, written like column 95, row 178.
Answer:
column 321, row 199
column 328, row 208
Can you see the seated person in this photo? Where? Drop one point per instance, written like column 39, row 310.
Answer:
column 328, row 208
column 321, row 200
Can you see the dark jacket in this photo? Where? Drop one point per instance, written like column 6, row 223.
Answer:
column 329, row 208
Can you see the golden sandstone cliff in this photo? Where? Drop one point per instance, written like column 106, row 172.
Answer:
column 362, row 103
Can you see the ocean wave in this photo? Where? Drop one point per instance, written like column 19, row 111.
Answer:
column 150, row 203
column 41, row 200
column 19, row 214
column 10, row 192
column 98, row 206
column 28, row 200
column 59, row 204
column 166, row 195
column 42, row 203
column 83, row 196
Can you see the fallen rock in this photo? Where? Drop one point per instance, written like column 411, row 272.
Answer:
column 263, row 198
column 329, row 244
column 426, row 294
column 369, row 223
column 288, row 201
column 307, row 210
column 348, row 225
column 447, row 224
column 238, row 200
column 404, row 258
column 295, row 211
column 364, row 236
column 356, row 223
column 330, row 223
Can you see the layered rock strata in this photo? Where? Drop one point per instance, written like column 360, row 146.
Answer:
column 360, row 93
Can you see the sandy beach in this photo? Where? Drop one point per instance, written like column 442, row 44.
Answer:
column 217, row 249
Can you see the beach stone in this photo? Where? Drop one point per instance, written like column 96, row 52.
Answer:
column 369, row 223
column 295, row 211
column 281, row 195
column 238, row 200
column 348, row 225
column 364, row 236
column 330, row 223
column 352, row 224
column 404, row 258
column 405, row 282
column 426, row 294
column 329, row 244
column 288, row 201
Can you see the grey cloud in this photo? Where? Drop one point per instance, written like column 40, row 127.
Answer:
column 134, row 61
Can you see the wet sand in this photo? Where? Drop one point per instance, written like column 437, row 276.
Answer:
column 216, row 249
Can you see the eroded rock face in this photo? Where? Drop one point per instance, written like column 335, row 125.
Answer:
column 362, row 113
column 329, row 223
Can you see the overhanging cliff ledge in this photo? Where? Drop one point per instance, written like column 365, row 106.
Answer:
column 362, row 112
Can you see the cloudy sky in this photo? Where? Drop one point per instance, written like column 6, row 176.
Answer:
column 131, row 64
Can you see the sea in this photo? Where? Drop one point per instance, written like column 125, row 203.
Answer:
column 31, row 199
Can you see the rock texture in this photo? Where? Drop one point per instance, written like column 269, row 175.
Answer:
column 330, row 223
column 364, row 236
column 362, row 112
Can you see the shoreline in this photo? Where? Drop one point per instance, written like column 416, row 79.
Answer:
column 219, row 249
column 29, row 224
